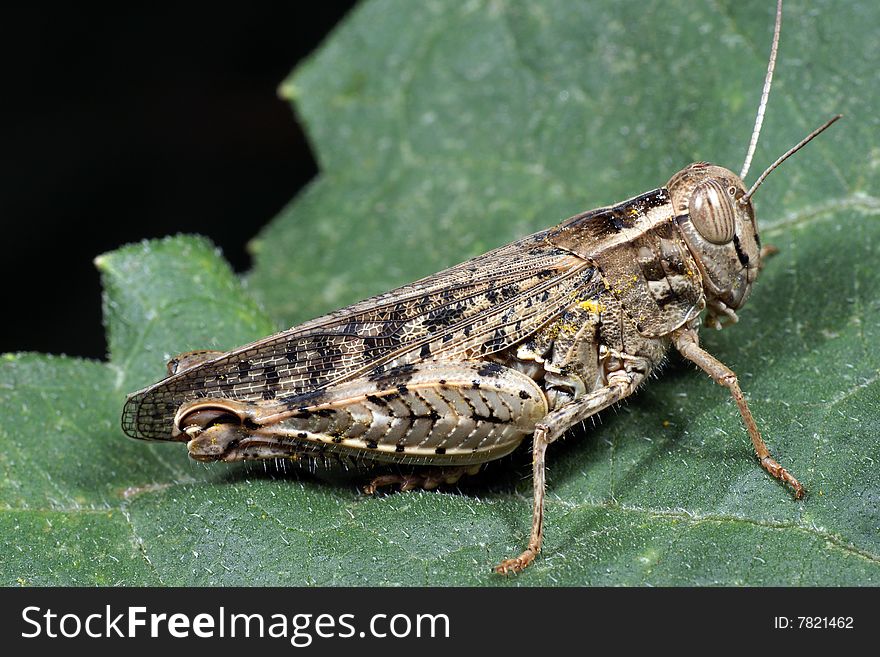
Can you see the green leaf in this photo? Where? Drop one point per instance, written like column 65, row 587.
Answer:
column 443, row 130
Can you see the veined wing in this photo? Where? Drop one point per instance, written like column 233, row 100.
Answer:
column 473, row 309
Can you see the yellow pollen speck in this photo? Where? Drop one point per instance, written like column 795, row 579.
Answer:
column 666, row 423
column 592, row 305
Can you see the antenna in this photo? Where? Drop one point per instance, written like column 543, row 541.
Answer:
column 791, row 151
column 765, row 94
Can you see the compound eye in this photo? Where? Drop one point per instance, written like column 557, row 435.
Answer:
column 712, row 212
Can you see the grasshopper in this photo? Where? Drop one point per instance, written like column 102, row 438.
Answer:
column 458, row 368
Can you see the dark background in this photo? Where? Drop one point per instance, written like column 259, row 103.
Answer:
column 121, row 124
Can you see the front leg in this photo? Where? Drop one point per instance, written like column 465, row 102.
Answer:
column 687, row 343
column 621, row 384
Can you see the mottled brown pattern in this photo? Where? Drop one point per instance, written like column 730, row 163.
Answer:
column 466, row 312
column 476, row 414
column 642, row 257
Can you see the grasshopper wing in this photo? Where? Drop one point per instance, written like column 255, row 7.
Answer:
column 476, row 308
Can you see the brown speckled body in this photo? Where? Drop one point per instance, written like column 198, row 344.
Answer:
column 454, row 369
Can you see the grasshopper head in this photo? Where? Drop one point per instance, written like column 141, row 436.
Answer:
column 720, row 231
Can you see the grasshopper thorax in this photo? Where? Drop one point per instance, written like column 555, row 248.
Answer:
column 719, row 228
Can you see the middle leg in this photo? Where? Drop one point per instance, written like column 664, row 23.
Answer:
column 620, row 384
